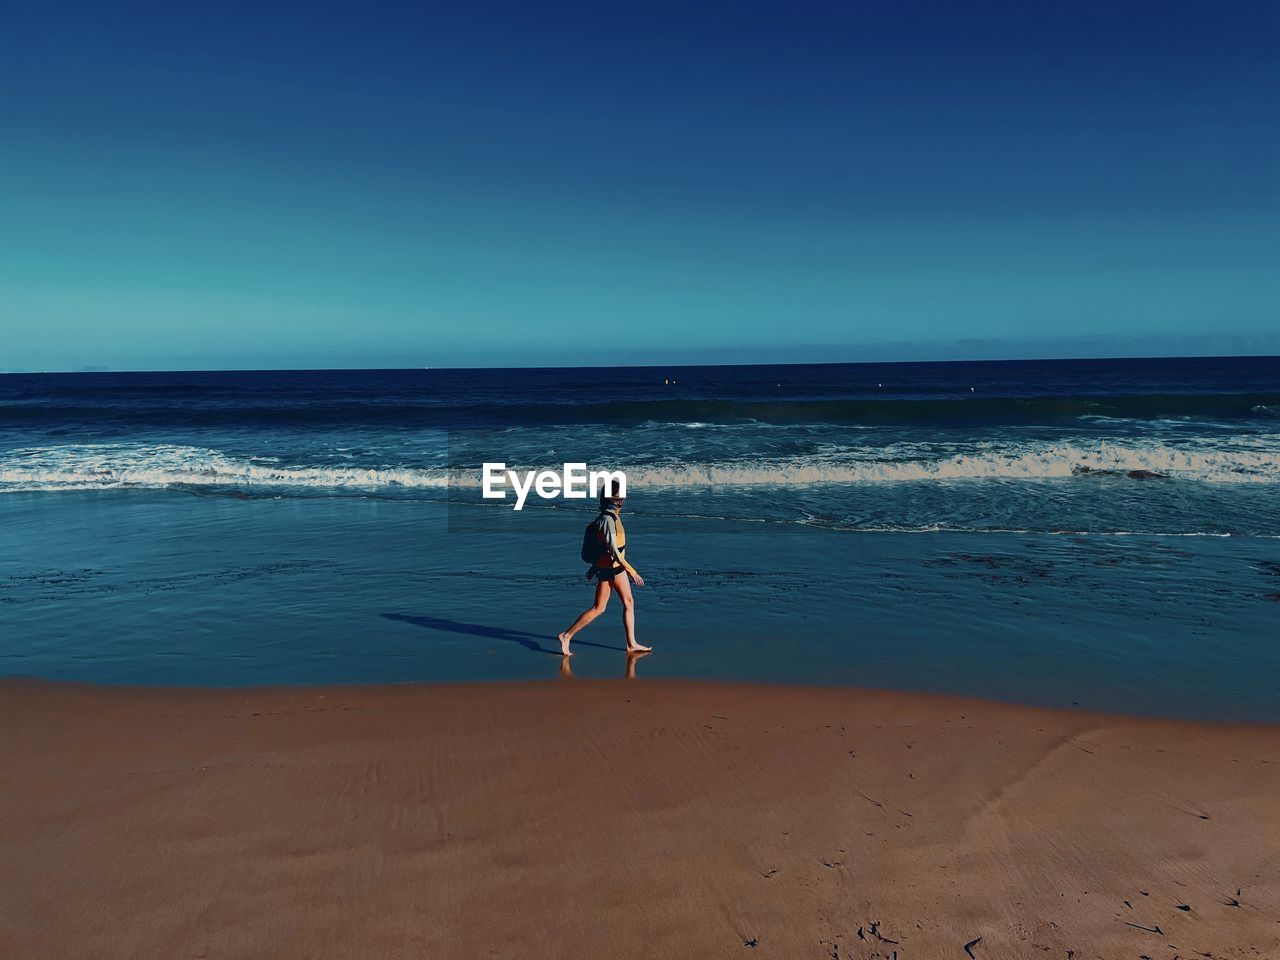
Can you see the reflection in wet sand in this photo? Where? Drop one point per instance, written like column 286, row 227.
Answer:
column 631, row 662
column 566, row 666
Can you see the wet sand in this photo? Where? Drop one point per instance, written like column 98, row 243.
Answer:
column 612, row 819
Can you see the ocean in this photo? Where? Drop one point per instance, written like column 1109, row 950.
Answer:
column 1100, row 534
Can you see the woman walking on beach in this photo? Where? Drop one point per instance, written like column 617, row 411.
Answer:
column 612, row 574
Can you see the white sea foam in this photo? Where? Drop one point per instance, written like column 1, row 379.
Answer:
column 159, row 466
column 1235, row 463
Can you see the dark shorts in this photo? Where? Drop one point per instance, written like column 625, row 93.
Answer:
column 608, row 574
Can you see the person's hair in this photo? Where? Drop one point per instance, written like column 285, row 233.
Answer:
column 606, row 494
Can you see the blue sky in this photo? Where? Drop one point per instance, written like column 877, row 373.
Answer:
column 304, row 186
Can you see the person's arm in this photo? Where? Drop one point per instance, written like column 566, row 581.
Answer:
column 611, row 545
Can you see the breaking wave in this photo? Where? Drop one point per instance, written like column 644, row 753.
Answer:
column 172, row 466
column 903, row 463
column 162, row 466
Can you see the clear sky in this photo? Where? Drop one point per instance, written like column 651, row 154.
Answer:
column 216, row 185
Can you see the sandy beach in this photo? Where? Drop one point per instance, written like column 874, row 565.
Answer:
column 615, row 819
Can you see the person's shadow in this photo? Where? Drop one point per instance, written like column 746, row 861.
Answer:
column 523, row 637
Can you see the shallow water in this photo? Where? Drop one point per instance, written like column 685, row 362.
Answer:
column 147, row 587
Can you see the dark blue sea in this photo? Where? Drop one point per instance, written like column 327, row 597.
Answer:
column 1100, row 533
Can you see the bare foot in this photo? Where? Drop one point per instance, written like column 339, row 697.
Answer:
column 638, row 648
column 564, row 644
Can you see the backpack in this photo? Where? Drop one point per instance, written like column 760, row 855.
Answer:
column 593, row 542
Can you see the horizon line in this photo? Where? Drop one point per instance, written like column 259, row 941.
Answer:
column 633, row 366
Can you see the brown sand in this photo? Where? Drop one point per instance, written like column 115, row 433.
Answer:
column 614, row 819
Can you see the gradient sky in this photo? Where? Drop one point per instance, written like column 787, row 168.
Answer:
column 475, row 184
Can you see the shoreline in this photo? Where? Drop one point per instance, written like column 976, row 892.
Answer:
column 19, row 682
column 600, row 818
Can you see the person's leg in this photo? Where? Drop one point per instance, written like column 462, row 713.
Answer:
column 622, row 586
column 597, row 608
